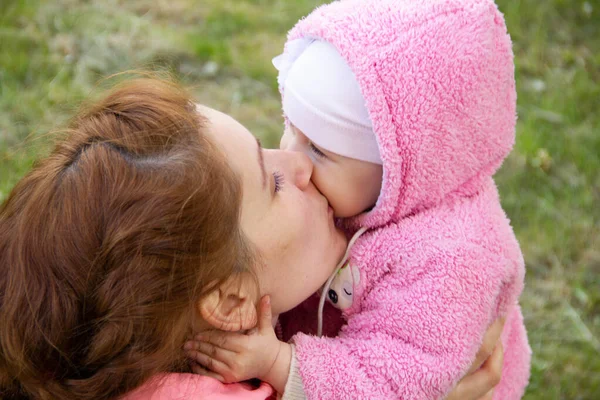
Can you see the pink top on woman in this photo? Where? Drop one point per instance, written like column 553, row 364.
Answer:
column 196, row 387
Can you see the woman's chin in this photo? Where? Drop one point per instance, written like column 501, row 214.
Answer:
column 340, row 237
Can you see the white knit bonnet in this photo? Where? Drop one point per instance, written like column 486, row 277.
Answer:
column 322, row 98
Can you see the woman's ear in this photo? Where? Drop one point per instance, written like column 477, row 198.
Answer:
column 232, row 305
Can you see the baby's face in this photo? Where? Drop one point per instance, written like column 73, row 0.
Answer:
column 351, row 186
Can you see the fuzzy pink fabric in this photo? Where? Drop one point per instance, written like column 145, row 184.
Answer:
column 441, row 261
column 196, row 387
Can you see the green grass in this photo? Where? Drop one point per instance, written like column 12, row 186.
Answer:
column 52, row 55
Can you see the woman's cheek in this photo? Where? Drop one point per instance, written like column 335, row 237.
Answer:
column 295, row 224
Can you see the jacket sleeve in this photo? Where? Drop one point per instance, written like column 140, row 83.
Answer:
column 294, row 389
column 416, row 334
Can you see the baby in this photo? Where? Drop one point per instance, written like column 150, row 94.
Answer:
column 407, row 108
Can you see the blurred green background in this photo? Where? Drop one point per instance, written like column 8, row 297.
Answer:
column 54, row 53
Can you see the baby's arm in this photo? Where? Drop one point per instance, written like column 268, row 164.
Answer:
column 411, row 340
column 234, row 357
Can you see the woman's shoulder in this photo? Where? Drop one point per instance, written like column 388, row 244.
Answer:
column 180, row 386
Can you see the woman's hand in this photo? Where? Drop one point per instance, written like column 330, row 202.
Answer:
column 486, row 370
column 234, row 357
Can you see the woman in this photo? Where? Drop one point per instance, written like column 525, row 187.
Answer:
column 150, row 221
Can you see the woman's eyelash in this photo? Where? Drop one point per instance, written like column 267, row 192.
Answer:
column 279, row 180
column 315, row 150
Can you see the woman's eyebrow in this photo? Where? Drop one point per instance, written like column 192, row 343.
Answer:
column 261, row 162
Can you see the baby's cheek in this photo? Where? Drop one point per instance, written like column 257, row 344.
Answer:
column 326, row 181
column 343, row 203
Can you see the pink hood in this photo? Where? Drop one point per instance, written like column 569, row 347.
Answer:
column 442, row 106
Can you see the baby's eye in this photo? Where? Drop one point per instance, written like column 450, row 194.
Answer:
column 315, row 150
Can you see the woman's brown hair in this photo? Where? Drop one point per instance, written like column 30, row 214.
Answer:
column 109, row 242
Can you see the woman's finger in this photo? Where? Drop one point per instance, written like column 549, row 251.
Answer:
column 479, row 384
column 493, row 365
column 490, row 339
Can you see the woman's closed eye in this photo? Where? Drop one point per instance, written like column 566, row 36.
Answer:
column 279, row 180
column 316, row 150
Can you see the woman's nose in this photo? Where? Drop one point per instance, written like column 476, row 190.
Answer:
column 285, row 141
column 289, row 141
column 301, row 168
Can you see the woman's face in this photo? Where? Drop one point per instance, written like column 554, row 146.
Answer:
column 283, row 214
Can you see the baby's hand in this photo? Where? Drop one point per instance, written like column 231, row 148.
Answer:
column 234, row 357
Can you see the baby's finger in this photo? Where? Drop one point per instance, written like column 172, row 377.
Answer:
column 200, row 370
column 229, row 341
column 265, row 320
column 209, row 363
column 225, row 356
column 201, row 346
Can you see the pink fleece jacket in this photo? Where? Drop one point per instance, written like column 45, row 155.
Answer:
column 440, row 262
